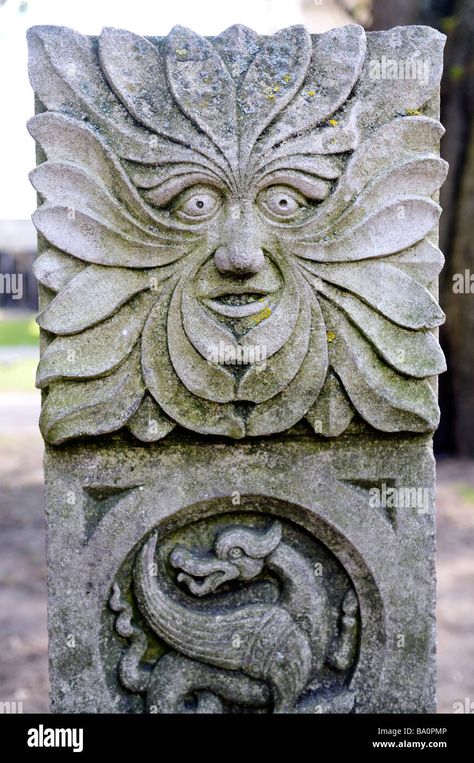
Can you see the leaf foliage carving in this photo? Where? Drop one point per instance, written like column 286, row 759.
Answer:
column 342, row 300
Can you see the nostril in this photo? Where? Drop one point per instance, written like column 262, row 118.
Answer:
column 221, row 258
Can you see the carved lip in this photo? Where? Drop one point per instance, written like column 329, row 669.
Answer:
column 253, row 305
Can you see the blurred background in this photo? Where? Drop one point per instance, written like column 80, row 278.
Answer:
column 23, row 635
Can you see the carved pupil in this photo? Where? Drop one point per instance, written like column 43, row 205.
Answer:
column 282, row 202
column 235, row 553
column 198, row 203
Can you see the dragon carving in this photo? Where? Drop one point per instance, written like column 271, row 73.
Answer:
column 256, row 653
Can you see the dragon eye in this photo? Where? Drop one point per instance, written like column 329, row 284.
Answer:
column 281, row 202
column 197, row 204
column 235, row 553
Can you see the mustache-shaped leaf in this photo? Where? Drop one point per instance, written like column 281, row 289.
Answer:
column 386, row 289
column 174, row 398
column 289, row 406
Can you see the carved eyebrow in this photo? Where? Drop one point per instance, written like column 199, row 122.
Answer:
column 328, row 167
column 310, row 186
column 162, row 194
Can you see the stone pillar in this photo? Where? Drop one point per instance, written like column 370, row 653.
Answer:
column 238, row 267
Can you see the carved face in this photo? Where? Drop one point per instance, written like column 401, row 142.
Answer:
column 236, row 242
column 239, row 555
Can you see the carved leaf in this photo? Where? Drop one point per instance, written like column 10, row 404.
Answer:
column 200, row 375
column 96, row 351
column 414, row 353
column 168, row 390
column 332, row 412
column 70, row 141
column 289, row 406
column 273, row 78
column 423, row 262
column 237, row 45
column 386, row 289
column 149, row 423
column 385, row 399
column 391, row 152
column 99, row 218
column 90, row 297
column 203, row 87
column 407, row 220
column 264, row 380
column 54, row 269
column 328, row 82
column 60, row 62
column 94, row 407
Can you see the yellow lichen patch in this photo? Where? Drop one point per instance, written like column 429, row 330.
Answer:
column 276, row 89
column 333, row 122
column 286, row 78
column 265, row 313
column 413, row 113
column 311, row 93
column 330, row 336
column 181, row 52
column 268, row 91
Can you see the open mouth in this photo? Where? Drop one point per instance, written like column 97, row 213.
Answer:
column 238, row 305
column 200, row 586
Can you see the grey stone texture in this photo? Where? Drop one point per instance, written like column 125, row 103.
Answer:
column 238, row 268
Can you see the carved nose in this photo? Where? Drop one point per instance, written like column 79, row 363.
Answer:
column 239, row 259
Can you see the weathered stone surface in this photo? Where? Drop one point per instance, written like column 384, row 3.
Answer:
column 108, row 504
column 238, row 269
column 244, row 184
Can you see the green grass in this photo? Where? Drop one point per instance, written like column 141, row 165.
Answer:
column 465, row 491
column 22, row 331
column 18, row 376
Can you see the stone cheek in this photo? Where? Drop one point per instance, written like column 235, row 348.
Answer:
column 237, row 271
column 238, row 231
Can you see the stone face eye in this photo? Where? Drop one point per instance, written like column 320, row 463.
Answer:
column 235, row 553
column 197, row 204
column 281, row 202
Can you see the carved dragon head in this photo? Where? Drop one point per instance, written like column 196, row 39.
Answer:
column 239, row 554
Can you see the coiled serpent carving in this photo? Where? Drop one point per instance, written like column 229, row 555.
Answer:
column 253, row 654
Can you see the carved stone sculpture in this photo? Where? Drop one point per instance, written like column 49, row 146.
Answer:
column 280, row 644
column 238, row 242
